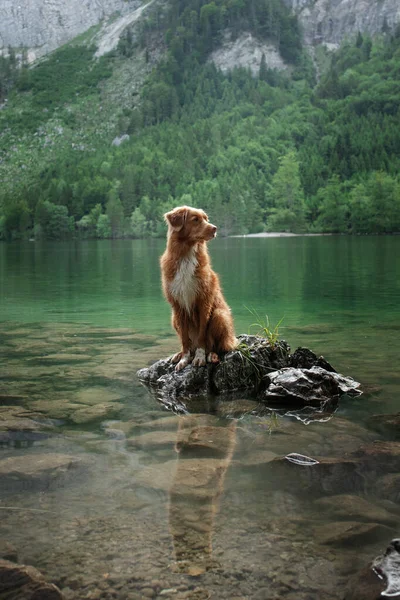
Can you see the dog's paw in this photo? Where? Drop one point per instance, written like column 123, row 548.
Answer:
column 212, row 357
column 184, row 361
column 176, row 357
column 199, row 358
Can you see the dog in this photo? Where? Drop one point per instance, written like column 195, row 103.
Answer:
column 200, row 314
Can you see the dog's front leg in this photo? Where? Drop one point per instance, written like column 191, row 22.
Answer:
column 181, row 325
column 185, row 352
column 200, row 355
column 184, row 361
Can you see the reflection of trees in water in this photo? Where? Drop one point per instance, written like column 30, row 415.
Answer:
column 205, row 452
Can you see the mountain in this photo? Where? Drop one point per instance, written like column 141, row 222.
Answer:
column 331, row 21
column 40, row 26
column 218, row 104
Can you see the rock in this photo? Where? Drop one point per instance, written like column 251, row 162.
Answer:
column 159, row 424
column 22, row 582
column 96, row 395
column 18, row 428
column 8, row 399
column 153, row 440
column 185, row 383
column 43, row 25
column 256, row 458
column 52, row 24
column 380, row 578
column 18, row 419
column 245, row 368
column 55, row 409
column 388, row 487
column 246, row 51
column 351, row 533
column 96, row 412
column 308, row 386
column 380, row 456
column 37, row 470
column 8, row 552
column 257, row 368
column 388, row 566
column 386, row 424
column 365, row 585
column 329, row 475
column 117, row 141
column 303, row 358
column 330, row 22
column 351, row 507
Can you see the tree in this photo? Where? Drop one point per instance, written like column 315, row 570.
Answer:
column 15, row 221
column 52, row 222
column 103, row 229
column 115, row 212
column 263, row 73
column 384, row 193
column 139, row 224
column 287, row 196
column 360, row 209
column 333, row 208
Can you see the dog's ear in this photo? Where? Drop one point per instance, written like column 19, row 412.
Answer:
column 176, row 218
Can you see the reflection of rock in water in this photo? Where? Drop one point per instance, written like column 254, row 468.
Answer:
column 205, row 453
column 380, row 579
column 387, row 567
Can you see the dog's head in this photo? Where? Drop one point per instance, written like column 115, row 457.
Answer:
column 190, row 224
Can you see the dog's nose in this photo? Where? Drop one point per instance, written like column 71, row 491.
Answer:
column 214, row 229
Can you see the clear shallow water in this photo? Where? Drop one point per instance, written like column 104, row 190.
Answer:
column 127, row 516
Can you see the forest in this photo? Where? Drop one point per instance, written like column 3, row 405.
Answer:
column 280, row 151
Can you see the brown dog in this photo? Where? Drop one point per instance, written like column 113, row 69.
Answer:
column 200, row 314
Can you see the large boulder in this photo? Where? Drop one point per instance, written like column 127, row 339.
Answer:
column 262, row 370
column 307, row 386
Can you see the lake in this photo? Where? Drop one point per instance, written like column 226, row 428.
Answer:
column 94, row 493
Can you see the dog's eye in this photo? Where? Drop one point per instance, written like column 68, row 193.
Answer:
column 195, row 219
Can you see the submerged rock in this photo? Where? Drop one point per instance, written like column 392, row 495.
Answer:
column 267, row 372
column 351, row 533
column 386, row 424
column 38, row 471
column 381, row 456
column 22, row 582
column 354, row 507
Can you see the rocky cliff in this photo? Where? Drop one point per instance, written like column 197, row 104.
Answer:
column 42, row 25
column 330, row 21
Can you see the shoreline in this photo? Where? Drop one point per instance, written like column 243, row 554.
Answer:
column 267, row 234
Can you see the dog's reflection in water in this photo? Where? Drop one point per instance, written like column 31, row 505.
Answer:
column 205, row 452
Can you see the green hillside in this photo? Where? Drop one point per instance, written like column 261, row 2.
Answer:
column 275, row 152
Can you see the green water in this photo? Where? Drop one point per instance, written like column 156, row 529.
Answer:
column 76, row 322
column 340, row 281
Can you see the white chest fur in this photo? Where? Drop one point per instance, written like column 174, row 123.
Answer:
column 184, row 286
